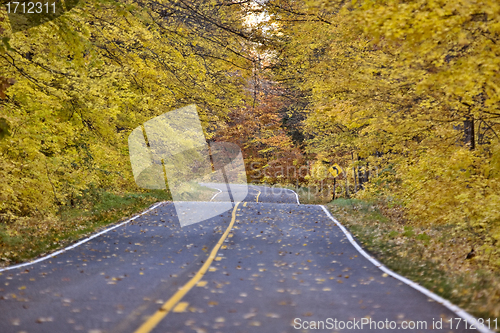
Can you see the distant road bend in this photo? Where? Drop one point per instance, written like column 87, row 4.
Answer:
column 268, row 265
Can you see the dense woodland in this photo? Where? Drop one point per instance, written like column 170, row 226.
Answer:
column 403, row 95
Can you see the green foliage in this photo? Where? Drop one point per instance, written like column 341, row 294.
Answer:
column 423, row 237
column 7, row 239
column 4, row 128
column 393, row 234
column 408, row 231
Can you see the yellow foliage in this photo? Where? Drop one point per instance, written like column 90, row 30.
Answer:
column 87, row 78
column 412, row 89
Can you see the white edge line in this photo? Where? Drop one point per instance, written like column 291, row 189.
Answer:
column 52, row 255
column 216, row 194
column 296, row 195
column 460, row 312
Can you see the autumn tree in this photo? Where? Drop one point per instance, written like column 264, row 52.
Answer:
column 410, row 89
column 260, row 128
column 87, row 78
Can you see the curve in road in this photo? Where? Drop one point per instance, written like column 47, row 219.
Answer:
column 266, row 266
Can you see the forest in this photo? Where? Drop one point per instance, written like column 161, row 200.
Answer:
column 404, row 96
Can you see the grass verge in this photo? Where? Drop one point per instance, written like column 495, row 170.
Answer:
column 433, row 256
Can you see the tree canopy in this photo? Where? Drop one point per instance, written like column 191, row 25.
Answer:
column 403, row 95
column 410, row 89
column 84, row 80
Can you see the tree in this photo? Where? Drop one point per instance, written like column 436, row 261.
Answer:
column 409, row 87
column 87, row 78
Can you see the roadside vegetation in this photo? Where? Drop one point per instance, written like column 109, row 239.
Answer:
column 95, row 209
column 442, row 258
column 39, row 235
column 433, row 256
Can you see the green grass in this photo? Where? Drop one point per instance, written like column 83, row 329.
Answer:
column 430, row 256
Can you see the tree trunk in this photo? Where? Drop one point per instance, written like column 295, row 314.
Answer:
column 362, row 175
column 355, row 182
column 469, row 136
column 346, row 185
column 354, row 174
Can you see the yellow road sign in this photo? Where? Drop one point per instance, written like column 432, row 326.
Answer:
column 335, row 170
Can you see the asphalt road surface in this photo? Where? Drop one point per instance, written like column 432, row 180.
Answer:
column 269, row 265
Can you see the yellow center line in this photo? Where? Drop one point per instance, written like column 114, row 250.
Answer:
column 257, row 199
column 152, row 321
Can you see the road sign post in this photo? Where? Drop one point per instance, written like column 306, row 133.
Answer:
column 335, row 170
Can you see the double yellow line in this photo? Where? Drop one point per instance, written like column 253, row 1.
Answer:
column 152, row 321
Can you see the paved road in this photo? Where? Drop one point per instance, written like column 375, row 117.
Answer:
column 277, row 267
